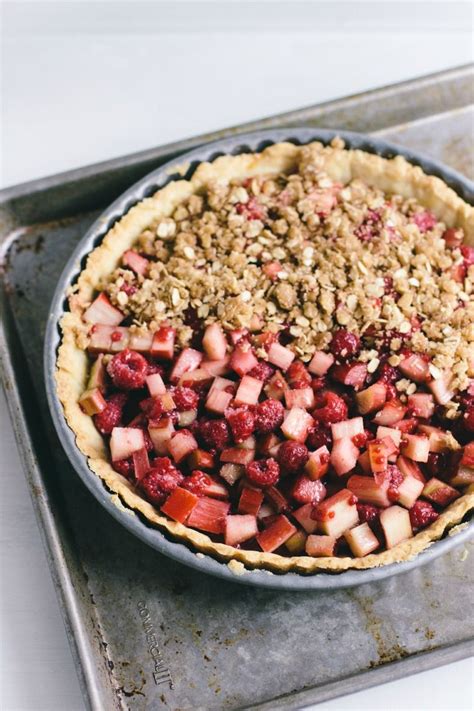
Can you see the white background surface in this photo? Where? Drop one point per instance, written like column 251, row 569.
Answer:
column 82, row 82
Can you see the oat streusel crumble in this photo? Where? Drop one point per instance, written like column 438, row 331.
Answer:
column 274, row 361
column 303, row 253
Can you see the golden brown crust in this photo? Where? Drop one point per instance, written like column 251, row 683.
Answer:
column 395, row 175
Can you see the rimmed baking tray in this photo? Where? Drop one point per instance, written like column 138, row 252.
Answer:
column 234, row 145
column 140, row 623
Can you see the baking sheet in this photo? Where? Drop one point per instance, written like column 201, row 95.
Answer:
column 147, row 632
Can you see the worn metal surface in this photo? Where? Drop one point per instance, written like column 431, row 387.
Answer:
column 131, row 612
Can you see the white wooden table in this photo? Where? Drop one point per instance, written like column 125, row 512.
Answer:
column 86, row 82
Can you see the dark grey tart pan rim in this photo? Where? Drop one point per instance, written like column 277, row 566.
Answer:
column 153, row 536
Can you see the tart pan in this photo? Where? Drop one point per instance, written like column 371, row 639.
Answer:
column 184, row 167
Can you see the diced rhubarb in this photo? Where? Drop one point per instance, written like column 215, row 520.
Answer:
column 124, row 441
column 240, row 528
column 344, row 456
column 395, row 435
column 188, row 360
column 464, row 476
column 421, row 405
column 410, row 468
column 278, row 501
column 216, row 367
column 141, row 463
column 248, row 443
column 103, row 312
column 135, row 261
column 441, row 389
column 396, row 525
column 351, row 374
column 276, row 387
column 167, row 402
column 320, row 546
column 155, row 384
column 243, row 359
column 391, row 448
column 92, row 401
column 232, row 472
column 163, row 343
column 439, row 492
column 320, row 363
column 368, row 491
column 140, row 342
column 214, row 342
column 211, row 487
column 209, row 515
column 372, row 398
column 416, row 447
column 408, row 491
column 181, row 444
column 179, row 504
column 408, row 425
column 297, row 424
column 415, row 367
column 267, row 442
column 440, row 440
column 100, row 338
column 275, row 535
column 361, row 540
column 378, row 456
column 97, row 377
column 467, row 459
column 364, row 462
column 119, row 339
column 235, row 455
column 250, row 501
column 280, row 356
column 337, row 514
column 200, row 459
column 186, row 417
column 302, row 397
column 296, row 543
column 218, row 401
column 393, row 411
column 347, row 429
column 160, row 434
column 248, row 391
column 303, row 516
column 199, row 378
column 238, row 334
column 318, row 463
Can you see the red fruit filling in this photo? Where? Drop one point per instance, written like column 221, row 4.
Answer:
column 128, row 370
column 422, row 514
column 215, row 434
column 269, row 415
column 344, row 345
column 293, row 456
column 241, row 423
column 111, row 416
column 185, row 399
column 333, row 409
column 160, row 481
column 264, row 472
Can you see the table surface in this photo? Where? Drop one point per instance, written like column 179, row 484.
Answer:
column 95, row 83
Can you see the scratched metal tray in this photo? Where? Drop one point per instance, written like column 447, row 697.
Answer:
column 146, row 632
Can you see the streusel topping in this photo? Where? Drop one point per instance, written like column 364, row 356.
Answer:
column 303, row 253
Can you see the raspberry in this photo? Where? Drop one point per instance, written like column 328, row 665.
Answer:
column 264, row 472
column 293, row 456
column 252, row 209
column 388, row 288
column 334, row 409
column 129, row 289
column 185, row 398
column 197, row 483
column 422, row 514
column 368, row 513
column 263, row 371
column 370, row 226
column 297, row 375
column 318, row 384
column 124, row 467
column 160, row 481
column 241, row 422
column 152, row 408
column 269, row 415
column 388, row 374
column 111, row 416
column 215, row 433
column 317, row 438
column 424, row 220
column 468, row 254
column 128, row 370
column 344, row 344
column 396, row 478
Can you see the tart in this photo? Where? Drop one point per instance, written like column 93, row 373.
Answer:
column 273, row 361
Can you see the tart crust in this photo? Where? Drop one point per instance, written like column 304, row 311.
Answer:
column 394, row 175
